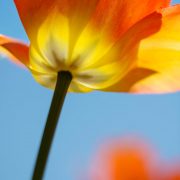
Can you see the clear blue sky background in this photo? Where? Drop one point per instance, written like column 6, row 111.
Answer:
column 87, row 119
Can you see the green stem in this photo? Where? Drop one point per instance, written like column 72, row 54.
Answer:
column 62, row 85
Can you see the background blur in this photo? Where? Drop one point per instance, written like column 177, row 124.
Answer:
column 87, row 119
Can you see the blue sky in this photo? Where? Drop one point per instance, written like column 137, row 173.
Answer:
column 87, row 119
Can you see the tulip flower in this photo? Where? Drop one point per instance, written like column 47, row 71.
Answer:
column 121, row 46
column 107, row 45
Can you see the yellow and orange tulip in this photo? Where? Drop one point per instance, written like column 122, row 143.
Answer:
column 117, row 46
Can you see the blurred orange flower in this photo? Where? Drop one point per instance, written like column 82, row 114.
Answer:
column 131, row 159
column 127, row 159
column 118, row 46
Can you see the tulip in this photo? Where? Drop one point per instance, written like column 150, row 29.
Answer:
column 107, row 45
column 116, row 46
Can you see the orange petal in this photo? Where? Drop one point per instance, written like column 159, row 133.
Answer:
column 118, row 16
column 15, row 50
column 161, row 53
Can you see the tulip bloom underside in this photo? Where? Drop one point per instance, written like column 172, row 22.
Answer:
column 116, row 46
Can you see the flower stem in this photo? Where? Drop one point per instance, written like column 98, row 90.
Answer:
column 62, row 85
